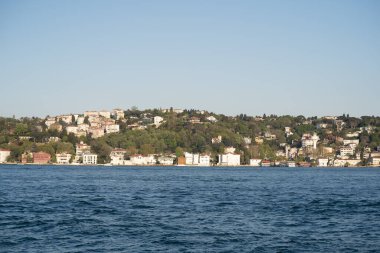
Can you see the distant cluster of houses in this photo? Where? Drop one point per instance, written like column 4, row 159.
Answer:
column 98, row 123
column 94, row 123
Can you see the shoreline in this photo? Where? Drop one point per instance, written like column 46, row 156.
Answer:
column 175, row 165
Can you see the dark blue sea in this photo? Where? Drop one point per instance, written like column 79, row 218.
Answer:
column 184, row 209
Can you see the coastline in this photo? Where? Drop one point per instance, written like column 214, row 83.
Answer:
column 185, row 166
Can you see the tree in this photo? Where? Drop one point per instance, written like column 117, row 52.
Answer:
column 21, row 129
column 178, row 152
column 146, row 149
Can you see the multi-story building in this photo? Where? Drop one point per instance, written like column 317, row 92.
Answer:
column 229, row 159
column 117, row 156
column 112, row 128
column 41, row 157
column 89, row 158
column 166, row 160
column 72, row 129
column 191, row 159
column 142, row 160
column 63, row 158
column 204, row 160
column 346, row 151
column 309, row 140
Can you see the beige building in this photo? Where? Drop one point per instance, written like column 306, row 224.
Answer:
column 4, row 154
column 63, row 158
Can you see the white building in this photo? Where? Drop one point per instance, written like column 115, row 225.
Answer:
column 255, row 162
column 112, row 128
column 204, row 160
column 374, row 161
column 4, row 154
column 72, row 129
column 117, row 156
column 212, row 119
column 63, row 158
column 143, row 160
column 348, row 142
column 157, row 120
column 323, row 162
column 89, row 158
column 346, row 162
column 83, row 127
column 166, row 160
column 229, row 159
column 309, row 140
column 346, row 151
column 80, row 149
column 191, row 159
column 80, row 120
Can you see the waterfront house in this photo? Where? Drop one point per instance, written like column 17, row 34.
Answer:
column 41, row 157
column 63, row 158
column 323, row 162
column 255, row 162
column 166, row 160
column 117, row 156
column 229, row 159
column 4, row 154
column 191, row 159
column 346, row 162
column 142, row 160
column 204, row 160
column 374, row 161
column 89, row 158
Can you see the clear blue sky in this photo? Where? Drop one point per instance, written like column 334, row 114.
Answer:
column 282, row 57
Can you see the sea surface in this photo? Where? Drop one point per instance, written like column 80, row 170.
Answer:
column 188, row 209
